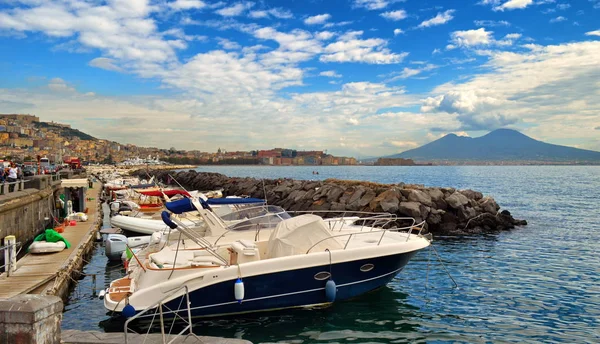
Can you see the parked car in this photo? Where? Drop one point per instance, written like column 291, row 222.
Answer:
column 29, row 171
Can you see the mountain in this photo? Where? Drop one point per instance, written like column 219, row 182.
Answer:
column 498, row 145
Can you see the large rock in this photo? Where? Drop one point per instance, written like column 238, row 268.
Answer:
column 488, row 205
column 421, row 197
column 435, row 194
column 334, row 194
column 457, row 200
column 476, row 195
column 387, row 201
column 366, row 198
column 411, row 209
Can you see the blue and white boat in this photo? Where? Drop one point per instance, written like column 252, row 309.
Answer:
column 284, row 262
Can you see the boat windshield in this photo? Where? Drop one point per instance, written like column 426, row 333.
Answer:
column 257, row 217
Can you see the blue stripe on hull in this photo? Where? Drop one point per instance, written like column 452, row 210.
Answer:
column 294, row 288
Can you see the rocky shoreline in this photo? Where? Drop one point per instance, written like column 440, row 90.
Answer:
column 447, row 211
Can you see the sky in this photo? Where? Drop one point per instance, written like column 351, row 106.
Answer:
column 353, row 77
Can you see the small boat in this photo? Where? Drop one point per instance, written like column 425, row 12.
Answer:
column 37, row 247
column 116, row 244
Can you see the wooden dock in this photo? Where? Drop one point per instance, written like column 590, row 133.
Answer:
column 35, row 272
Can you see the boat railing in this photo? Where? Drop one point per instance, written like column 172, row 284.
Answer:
column 409, row 230
column 365, row 219
column 158, row 310
column 199, row 240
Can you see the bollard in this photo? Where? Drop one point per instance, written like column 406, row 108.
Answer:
column 10, row 254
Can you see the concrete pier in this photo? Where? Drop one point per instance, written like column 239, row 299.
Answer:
column 95, row 337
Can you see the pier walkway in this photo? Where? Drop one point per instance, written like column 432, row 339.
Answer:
column 35, row 271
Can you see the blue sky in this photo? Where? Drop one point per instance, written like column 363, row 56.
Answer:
column 355, row 77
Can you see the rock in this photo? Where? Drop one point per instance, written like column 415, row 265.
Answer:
column 456, row 200
column 334, row 194
column 387, row 201
column 366, row 198
column 488, row 205
column 476, row 195
column 411, row 209
column 353, row 202
column 435, row 194
column 346, row 195
column 435, row 217
column 421, row 197
column 465, row 213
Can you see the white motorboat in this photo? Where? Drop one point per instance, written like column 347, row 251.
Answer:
column 304, row 261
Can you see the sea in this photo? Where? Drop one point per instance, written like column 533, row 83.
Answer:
column 536, row 284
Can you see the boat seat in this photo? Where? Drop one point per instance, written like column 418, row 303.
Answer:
column 246, row 251
column 166, row 257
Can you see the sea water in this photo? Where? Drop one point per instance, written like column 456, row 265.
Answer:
column 538, row 283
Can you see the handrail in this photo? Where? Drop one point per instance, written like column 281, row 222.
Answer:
column 159, row 307
column 409, row 229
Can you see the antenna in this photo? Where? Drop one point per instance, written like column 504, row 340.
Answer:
column 265, row 191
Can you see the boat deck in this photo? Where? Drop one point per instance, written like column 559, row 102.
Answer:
column 36, row 270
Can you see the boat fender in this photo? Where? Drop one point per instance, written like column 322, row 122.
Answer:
column 238, row 290
column 101, row 294
column 330, row 290
column 128, row 311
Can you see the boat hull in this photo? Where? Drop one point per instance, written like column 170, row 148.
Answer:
column 291, row 288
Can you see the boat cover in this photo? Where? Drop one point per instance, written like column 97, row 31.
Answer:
column 185, row 204
column 168, row 193
column 299, row 234
column 141, row 186
column 228, row 201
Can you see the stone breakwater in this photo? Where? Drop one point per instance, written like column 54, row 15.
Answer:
column 445, row 210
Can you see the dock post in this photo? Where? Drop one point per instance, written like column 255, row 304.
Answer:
column 94, row 285
column 10, row 254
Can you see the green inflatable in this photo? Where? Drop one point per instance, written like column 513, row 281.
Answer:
column 50, row 235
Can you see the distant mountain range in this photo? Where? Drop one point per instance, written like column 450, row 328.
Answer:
column 498, row 145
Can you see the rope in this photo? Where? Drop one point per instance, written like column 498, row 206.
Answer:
column 444, row 266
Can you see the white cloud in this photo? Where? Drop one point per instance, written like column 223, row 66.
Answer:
column 352, row 121
column 394, row 15
column 410, row 72
column 491, row 23
column 105, row 63
column 555, row 94
column 593, row 33
column 343, row 23
column 558, row 19
column 324, row 35
column 372, row 5
column 273, row 12
column 59, row 85
column 318, row 19
column 471, row 38
column 513, row 4
column 330, row 74
column 436, row 51
column 235, row 10
column 439, row 19
column 187, row 4
column 228, row 45
column 398, row 32
column 349, row 48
